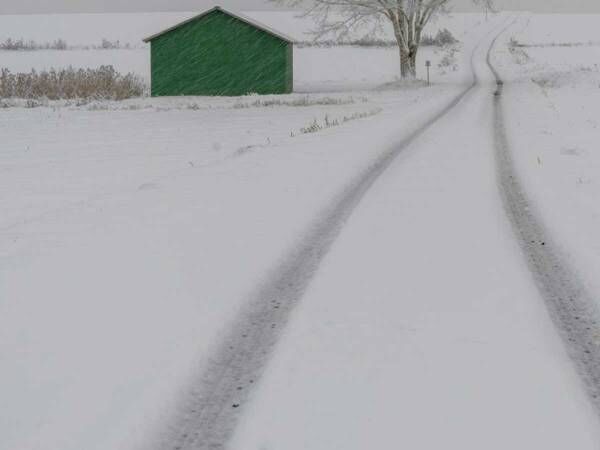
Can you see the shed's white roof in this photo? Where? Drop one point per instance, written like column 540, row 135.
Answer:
column 238, row 16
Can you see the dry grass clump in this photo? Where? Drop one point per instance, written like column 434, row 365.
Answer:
column 315, row 126
column 303, row 101
column 103, row 83
column 23, row 45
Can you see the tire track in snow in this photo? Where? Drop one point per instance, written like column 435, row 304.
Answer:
column 573, row 309
column 208, row 418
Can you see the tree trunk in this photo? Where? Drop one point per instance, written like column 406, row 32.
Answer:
column 404, row 63
column 412, row 57
column 408, row 63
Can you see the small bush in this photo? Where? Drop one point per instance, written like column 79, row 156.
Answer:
column 513, row 43
column 441, row 39
column 112, row 45
column 102, row 83
column 516, row 49
column 449, row 60
column 60, row 44
column 21, row 44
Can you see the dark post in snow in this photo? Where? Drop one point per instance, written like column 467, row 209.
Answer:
column 428, row 65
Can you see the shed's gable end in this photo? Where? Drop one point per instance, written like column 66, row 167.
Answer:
column 219, row 54
column 237, row 16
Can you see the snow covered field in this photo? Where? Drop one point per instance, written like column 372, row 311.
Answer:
column 316, row 69
column 132, row 232
column 123, row 256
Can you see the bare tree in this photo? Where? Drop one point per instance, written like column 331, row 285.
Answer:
column 408, row 19
column 487, row 6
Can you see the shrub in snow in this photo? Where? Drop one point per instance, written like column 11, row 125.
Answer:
column 441, row 39
column 21, row 44
column 101, row 83
column 516, row 50
column 112, row 45
column 449, row 60
column 60, row 44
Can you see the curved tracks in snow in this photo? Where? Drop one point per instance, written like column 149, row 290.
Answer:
column 215, row 402
column 573, row 310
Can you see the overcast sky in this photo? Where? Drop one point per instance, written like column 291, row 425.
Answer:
column 61, row 6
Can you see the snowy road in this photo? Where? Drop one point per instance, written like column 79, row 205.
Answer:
column 424, row 326
column 573, row 308
column 213, row 411
column 495, row 349
column 200, row 273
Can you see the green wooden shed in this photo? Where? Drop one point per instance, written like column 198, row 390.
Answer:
column 221, row 53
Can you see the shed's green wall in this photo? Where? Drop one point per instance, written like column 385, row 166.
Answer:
column 220, row 55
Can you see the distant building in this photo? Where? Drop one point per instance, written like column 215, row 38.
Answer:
column 221, row 53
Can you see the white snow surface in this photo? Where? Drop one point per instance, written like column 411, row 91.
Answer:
column 423, row 328
column 129, row 237
column 132, row 232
